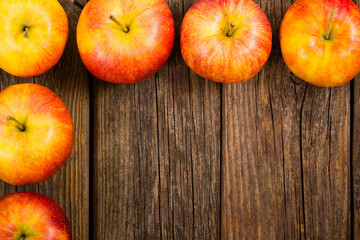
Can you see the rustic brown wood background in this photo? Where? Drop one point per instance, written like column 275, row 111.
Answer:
column 180, row 157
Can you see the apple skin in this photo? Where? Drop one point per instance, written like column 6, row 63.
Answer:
column 325, row 63
column 33, row 216
column 47, row 35
column 35, row 154
column 111, row 54
column 212, row 54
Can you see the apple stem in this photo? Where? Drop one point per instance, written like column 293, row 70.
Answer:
column 26, row 34
column 125, row 29
column 22, row 238
column 329, row 31
column 231, row 30
column 18, row 124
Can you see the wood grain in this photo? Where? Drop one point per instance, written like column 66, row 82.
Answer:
column 326, row 162
column 286, row 154
column 356, row 158
column 126, row 175
column 157, row 154
column 355, row 163
column 189, row 157
column 70, row 185
column 189, row 114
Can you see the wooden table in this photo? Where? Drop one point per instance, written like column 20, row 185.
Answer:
column 180, row 157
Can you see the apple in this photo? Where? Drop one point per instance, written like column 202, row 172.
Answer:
column 36, row 134
column 29, row 215
column 225, row 41
column 320, row 41
column 33, row 35
column 125, row 41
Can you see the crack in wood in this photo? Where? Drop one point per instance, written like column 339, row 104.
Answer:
column 78, row 4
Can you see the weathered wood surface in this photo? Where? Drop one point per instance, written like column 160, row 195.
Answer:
column 286, row 154
column 180, row 157
column 157, row 154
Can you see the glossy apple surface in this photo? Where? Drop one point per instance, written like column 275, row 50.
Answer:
column 33, row 35
column 36, row 134
column 32, row 216
column 226, row 41
column 125, row 41
column 320, row 41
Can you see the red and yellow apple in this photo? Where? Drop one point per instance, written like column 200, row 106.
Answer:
column 320, row 41
column 33, row 36
column 226, row 41
column 36, row 134
column 125, row 41
column 34, row 216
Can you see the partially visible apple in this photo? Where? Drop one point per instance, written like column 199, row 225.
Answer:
column 125, row 41
column 34, row 216
column 226, row 41
column 36, row 134
column 33, row 34
column 320, row 41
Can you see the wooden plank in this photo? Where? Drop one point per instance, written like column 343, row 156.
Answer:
column 157, row 154
column 355, row 161
column 253, row 163
column 126, row 176
column 356, row 158
column 261, row 178
column 206, row 156
column 326, row 162
column 69, row 79
column 286, row 154
column 189, row 115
